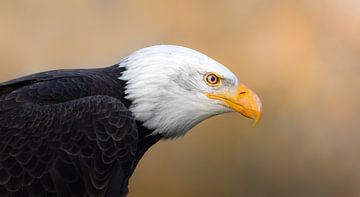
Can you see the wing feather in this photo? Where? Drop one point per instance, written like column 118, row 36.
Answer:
column 73, row 148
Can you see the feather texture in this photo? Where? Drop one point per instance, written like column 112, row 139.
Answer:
column 67, row 133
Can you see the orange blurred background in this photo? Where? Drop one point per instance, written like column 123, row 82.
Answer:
column 302, row 57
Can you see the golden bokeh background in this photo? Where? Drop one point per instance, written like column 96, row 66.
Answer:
column 302, row 57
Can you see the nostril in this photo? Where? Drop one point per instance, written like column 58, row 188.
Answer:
column 242, row 93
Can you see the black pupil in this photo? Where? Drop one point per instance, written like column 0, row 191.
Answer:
column 213, row 79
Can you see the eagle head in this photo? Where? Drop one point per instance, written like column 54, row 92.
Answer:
column 173, row 88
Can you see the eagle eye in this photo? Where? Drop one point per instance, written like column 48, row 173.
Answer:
column 212, row 79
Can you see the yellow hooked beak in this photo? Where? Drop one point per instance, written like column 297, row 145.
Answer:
column 244, row 101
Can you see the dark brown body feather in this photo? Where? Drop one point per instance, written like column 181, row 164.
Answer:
column 68, row 133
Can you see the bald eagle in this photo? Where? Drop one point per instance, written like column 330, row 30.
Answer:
column 81, row 132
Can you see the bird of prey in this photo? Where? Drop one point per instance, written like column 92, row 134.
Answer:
column 81, row 132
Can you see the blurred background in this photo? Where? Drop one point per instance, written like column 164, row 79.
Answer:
column 302, row 57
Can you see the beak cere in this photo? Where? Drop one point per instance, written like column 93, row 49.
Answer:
column 245, row 101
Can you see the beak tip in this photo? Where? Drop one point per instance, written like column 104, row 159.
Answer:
column 257, row 120
column 257, row 116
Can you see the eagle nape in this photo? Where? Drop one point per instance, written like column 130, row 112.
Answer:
column 82, row 132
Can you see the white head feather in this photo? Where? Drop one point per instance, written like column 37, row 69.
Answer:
column 166, row 86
